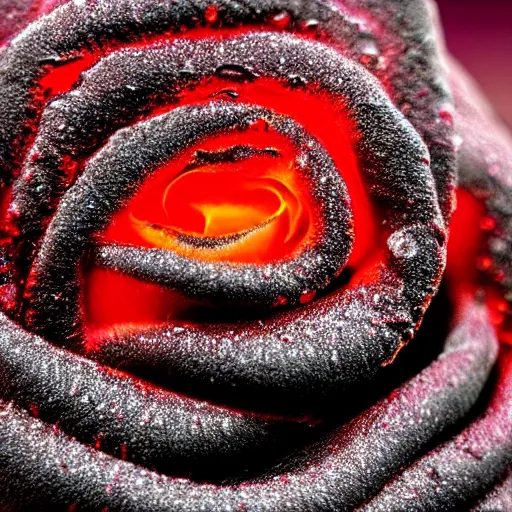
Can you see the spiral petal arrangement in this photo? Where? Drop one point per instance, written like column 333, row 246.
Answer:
column 230, row 274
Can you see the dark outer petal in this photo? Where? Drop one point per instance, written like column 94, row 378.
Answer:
column 320, row 351
column 336, row 474
column 155, row 428
column 460, row 471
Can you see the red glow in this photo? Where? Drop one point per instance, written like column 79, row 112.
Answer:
column 114, row 299
column 63, row 77
column 466, row 242
column 470, row 268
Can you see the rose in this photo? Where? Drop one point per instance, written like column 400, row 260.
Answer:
column 289, row 161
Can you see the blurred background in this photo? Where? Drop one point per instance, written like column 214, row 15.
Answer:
column 479, row 34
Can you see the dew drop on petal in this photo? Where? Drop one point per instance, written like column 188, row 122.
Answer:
column 211, row 14
column 281, row 20
column 402, row 245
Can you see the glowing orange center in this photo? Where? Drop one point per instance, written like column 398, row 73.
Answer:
column 255, row 210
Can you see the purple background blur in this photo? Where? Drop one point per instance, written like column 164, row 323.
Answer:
column 479, row 34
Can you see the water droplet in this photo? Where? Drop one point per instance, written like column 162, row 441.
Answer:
column 13, row 211
column 281, row 19
column 408, row 335
column 235, row 73
column 503, row 306
column 368, row 60
column 187, row 72
column 446, row 116
column 307, row 297
column 211, row 14
column 259, row 125
column 487, row 224
column 458, row 141
column 484, row 263
column 281, row 301
column 310, row 24
column 51, row 59
column 402, row 245
column 227, row 93
column 498, row 246
column 369, row 53
column 296, row 81
column 499, row 276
